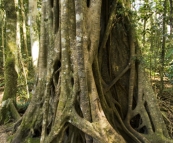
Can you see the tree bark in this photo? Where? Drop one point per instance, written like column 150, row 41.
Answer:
column 34, row 34
column 8, row 109
column 85, row 96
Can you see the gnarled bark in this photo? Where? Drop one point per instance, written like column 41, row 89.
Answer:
column 85, row 96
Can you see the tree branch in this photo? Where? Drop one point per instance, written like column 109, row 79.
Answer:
column 117, row 78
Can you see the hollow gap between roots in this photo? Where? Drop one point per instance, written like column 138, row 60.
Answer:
column 88, row 3
column 136, row 121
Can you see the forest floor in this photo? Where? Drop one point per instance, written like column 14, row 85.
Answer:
column 4, row 134
column 165, row 102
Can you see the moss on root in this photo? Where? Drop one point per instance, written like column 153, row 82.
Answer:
column 32, row 140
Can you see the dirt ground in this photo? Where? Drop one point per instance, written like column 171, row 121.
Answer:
column 3, row 134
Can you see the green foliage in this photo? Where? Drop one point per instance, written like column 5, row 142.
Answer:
column 22, row 104
column 169, row 54
column 149, row 21
column 2, row 84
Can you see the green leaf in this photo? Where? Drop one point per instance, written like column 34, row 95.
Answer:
column 169, row 53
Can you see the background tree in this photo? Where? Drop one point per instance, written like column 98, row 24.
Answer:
column 9, row 98
column 156, row 43
column 34, row 30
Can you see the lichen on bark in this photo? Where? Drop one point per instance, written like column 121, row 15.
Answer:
column 10, row 80
column 8, row 110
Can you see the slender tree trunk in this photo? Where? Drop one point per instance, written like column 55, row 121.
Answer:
column 24, row 30
column 3, row 24
column 19, row 49
column 34, row 33
column 162, row 58
column 171, row 15
column 9, row 97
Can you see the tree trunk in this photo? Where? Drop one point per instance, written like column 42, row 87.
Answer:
column 34, row 34
column 91, row 85
column 8, row 109
column 24, row 30
column 162, row 55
